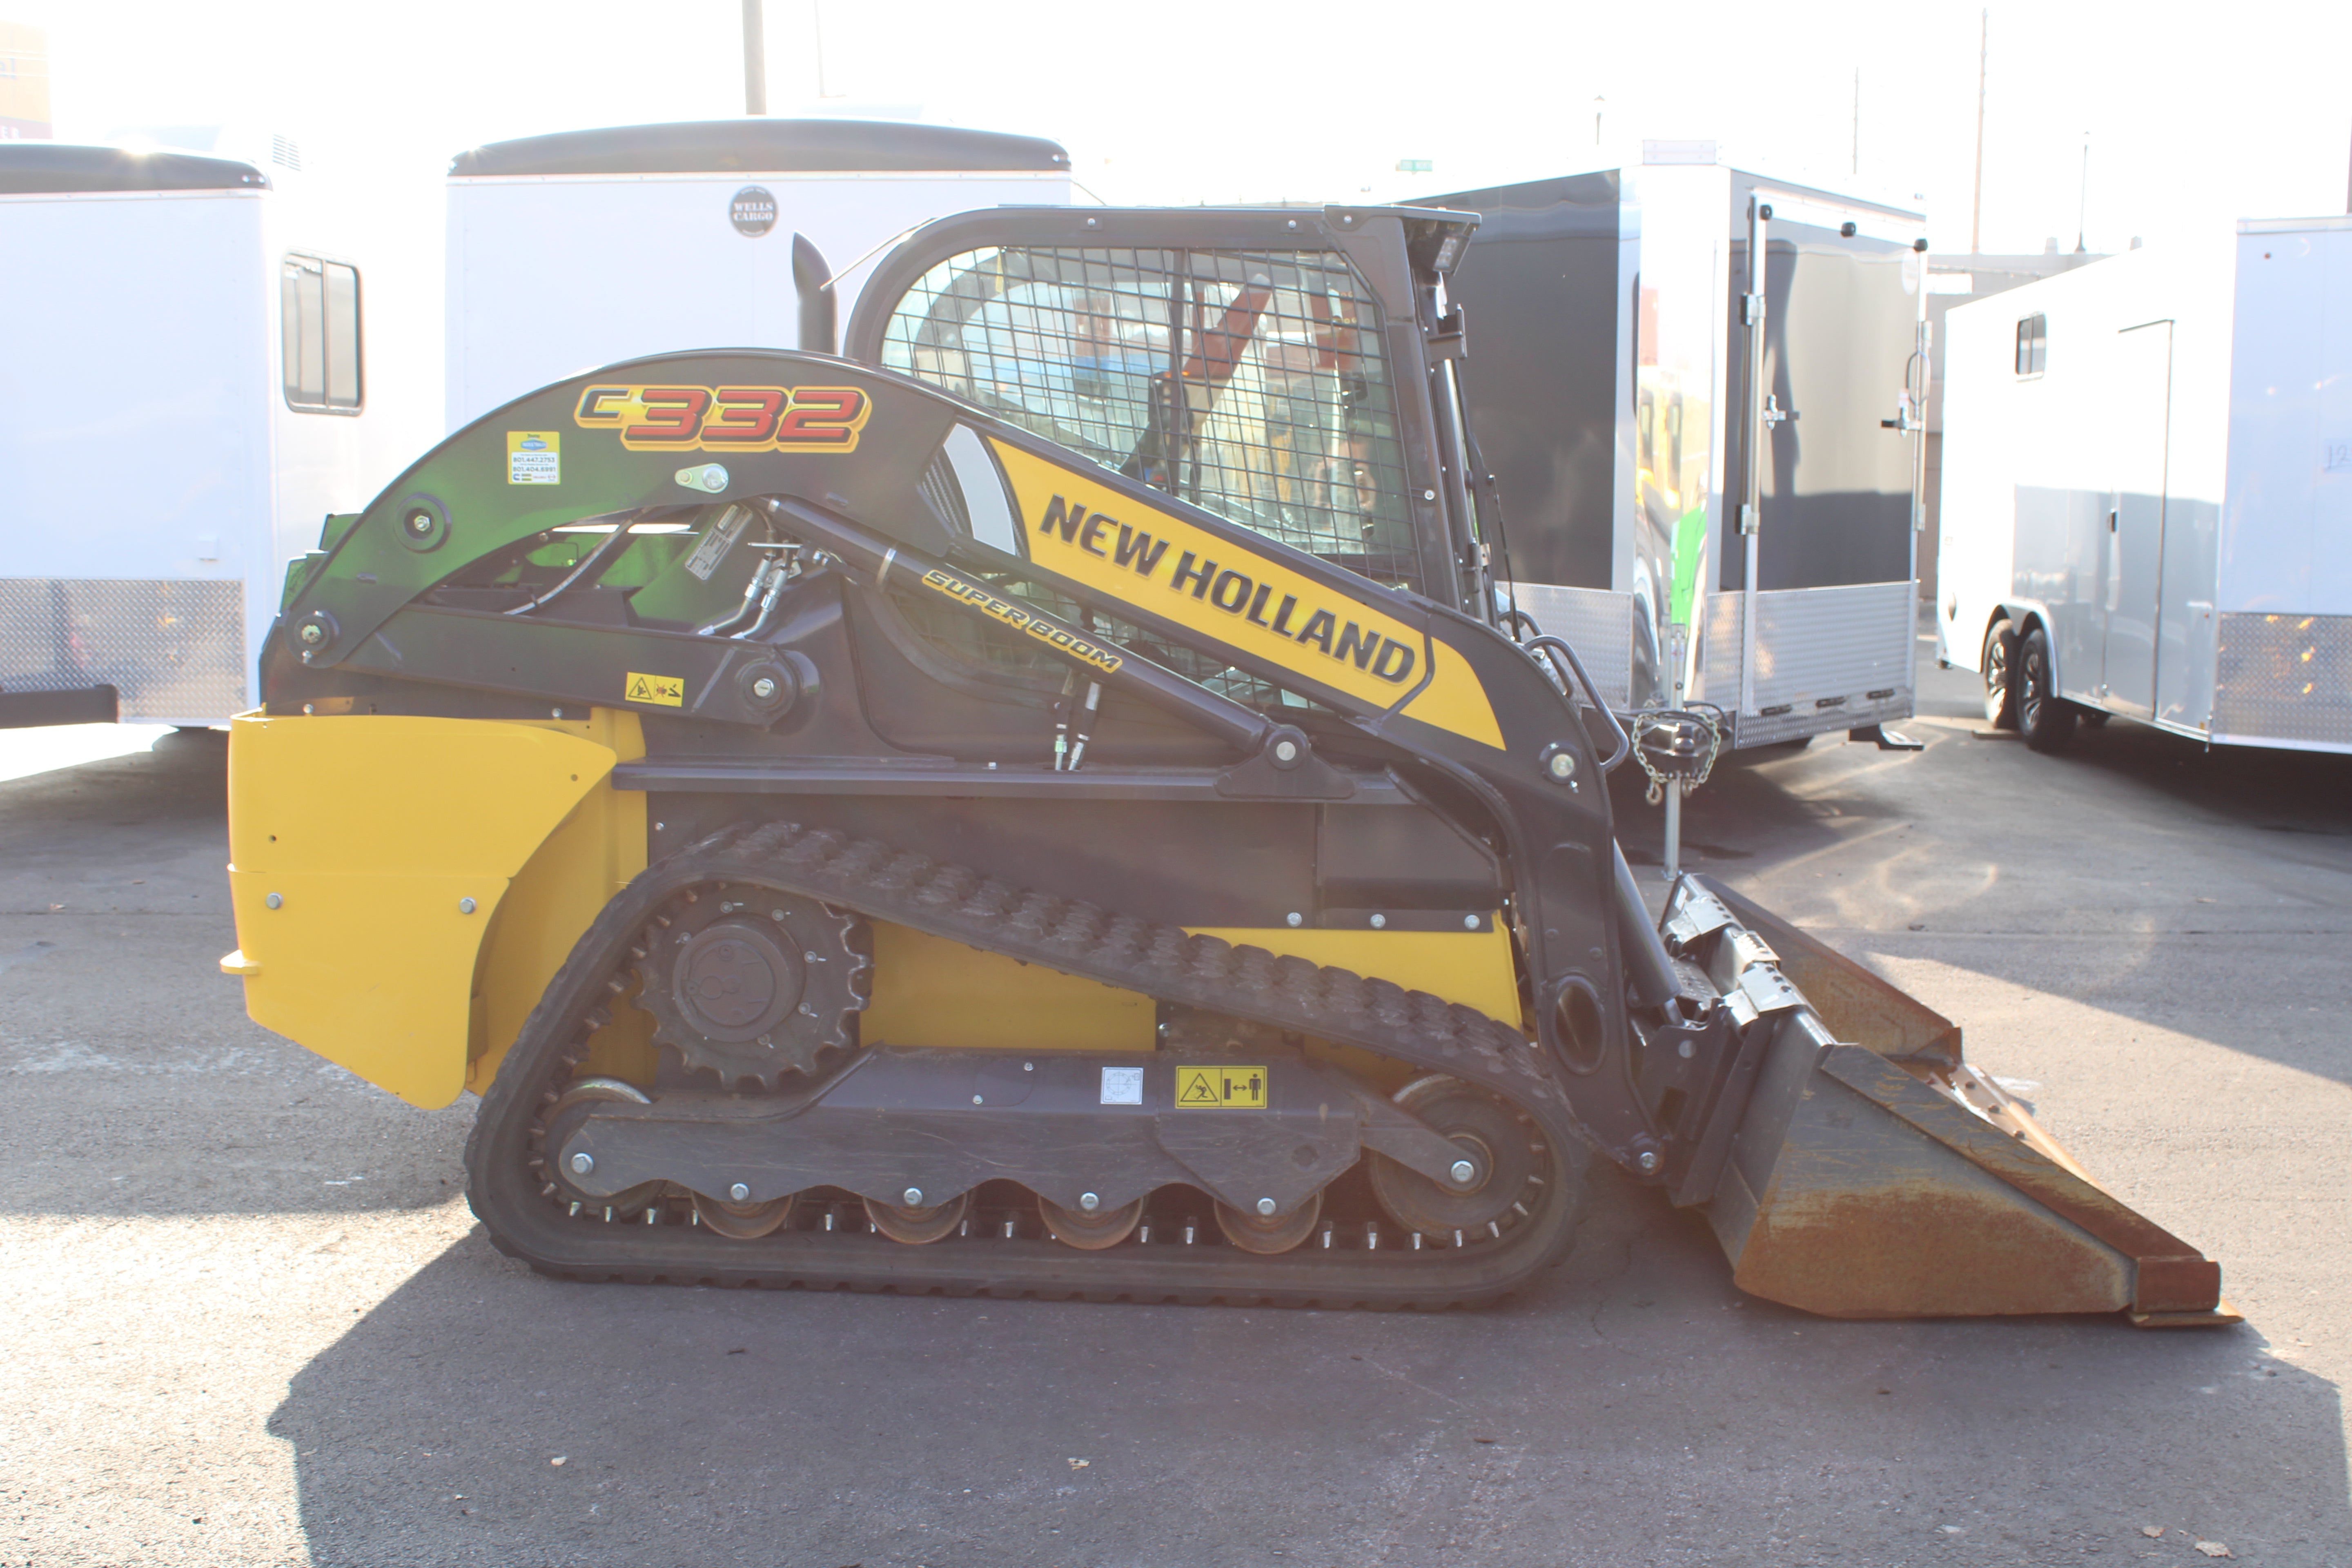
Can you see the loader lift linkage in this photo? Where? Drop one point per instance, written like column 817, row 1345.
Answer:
column 1043, row 803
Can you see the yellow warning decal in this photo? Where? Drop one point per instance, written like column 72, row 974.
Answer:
column 1220, row 1088
column 662, row 690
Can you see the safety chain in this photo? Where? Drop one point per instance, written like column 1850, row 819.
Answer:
column 1673, row 734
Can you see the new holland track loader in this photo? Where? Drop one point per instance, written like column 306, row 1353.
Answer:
column 1045, row 802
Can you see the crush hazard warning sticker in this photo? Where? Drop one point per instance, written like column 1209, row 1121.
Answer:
column 662, row 690
column 1220, row 1088
column 534, row 458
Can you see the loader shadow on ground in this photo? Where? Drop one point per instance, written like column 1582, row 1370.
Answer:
column 1633, row 1408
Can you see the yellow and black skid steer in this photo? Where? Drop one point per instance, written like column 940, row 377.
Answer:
column 1045, row 801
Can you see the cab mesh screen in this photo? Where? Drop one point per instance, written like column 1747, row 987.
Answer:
column 1251, row 384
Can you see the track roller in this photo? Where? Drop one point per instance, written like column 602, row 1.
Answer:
column 918, row 1224
column 1266, row 1234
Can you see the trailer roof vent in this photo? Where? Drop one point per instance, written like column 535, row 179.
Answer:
column 286, row 152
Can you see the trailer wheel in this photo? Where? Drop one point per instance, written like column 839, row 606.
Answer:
column 2000, row 665
column 2046, row 718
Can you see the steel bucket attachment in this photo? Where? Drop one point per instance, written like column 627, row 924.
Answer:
column 1856, row 1167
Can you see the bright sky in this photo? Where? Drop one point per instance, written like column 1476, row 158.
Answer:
column 2196, row 113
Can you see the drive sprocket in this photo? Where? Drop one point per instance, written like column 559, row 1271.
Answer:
column 753, row 985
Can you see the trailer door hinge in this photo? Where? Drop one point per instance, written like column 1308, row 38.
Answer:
column 1747, row 519
column 1752, row 310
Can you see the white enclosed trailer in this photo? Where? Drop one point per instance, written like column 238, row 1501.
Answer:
column 2147, row 492
column 586, row 248
column 191, row 383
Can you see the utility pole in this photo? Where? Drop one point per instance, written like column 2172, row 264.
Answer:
column 1599, row 103
column 1975, row 206
column 755, row 58
column 816, row 16
column 1856, row 167
column 2083, row 210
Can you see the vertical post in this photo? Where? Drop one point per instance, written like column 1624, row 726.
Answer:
column 816, row 16
column 1751, row 509
column 1855, row 167
column 755, row 58
column 1673, row 856
column 1975, row 206
column 1678, row 654
column 2083, row 210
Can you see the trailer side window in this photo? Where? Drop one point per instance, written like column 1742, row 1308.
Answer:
column 2032, row 343
column 318, row 310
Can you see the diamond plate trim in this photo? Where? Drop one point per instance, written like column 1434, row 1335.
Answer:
column 173, row 648
column 1814, row 644
column 2284, row 678
column 1595, row 622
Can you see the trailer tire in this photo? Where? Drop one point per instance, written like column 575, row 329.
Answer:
column 2047, row 720
column 2000, row 667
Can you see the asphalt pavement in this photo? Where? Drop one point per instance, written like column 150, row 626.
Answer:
column 249, row 1320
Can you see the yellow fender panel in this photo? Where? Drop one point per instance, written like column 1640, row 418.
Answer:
column 372, row 832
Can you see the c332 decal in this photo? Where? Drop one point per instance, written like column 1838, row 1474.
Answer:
column 650, row 418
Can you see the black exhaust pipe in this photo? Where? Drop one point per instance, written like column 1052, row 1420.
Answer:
column 814, row 278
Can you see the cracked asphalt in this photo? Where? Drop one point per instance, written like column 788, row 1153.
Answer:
column 250, row 1320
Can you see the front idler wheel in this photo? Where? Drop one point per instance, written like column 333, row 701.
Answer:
column 1266, row 1234
column 562, row 1119
column 1090, row 1232
column 1497, row 1147
column 916, row 1224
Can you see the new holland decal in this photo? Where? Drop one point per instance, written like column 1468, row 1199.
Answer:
column 1224, row 589
column 727, row 418
column 1236, row 593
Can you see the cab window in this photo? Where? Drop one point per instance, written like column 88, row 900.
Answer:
column 1250, row 383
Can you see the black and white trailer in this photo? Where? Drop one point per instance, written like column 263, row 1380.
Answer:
column 1699, row 392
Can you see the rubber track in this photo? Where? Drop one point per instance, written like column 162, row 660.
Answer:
column 1077, row 938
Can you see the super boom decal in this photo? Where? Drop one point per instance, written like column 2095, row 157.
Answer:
column 651, row 419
